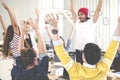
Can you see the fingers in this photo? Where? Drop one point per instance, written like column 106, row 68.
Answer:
column 4, row 5
column 51, row 18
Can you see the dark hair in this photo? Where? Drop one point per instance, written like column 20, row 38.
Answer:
column 92, row 53
column 8, row 38
column 28, row 56
column 87, row 18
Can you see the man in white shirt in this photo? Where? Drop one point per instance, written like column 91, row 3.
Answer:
column 85, row 27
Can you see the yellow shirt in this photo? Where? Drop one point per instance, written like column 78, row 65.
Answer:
column 79, row 72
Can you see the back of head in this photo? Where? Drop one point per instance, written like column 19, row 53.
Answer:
column 92, row 53
column 8, row 38
column 28, row 56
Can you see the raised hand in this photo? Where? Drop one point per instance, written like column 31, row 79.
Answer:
column 52, row 20
column 23, row 27
column 5, row 6
column 33, row 24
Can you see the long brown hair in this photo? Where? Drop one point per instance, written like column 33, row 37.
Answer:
column 8, row 38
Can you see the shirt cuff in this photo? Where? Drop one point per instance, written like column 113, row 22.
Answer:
column 116, row 38
column 57, row 43
column 41, row 56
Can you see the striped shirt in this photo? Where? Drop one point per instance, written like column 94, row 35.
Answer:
column 14, row 45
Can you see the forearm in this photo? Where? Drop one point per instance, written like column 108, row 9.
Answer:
column 15, row 16
column 37, row 19
column 74, row 15
column 12, row 18
column 99, row 6
column 21, row 42
column 3, row 24
column 71, row 34
column 97, row 11
column 72, row 5
column 41, row 45
column 49, row 34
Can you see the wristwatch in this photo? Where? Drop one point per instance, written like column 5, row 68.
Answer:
column 54, row 31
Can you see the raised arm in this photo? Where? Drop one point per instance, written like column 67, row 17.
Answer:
column 21, row 39
column 72, row 6
column 117, row 31
column 71, row 33
column 41, row 44
column 112, row 49
column 97, row 11
column 48, row 32
column 37, row 13
column 12, row 18
column 58, row 46
column 15, row 14
column 3, row 24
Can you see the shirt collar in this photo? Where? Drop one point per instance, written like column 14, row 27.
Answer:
column 89, row 65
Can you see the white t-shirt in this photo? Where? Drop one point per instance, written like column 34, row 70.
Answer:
column 85, row 33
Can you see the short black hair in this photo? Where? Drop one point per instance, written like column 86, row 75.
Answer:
column 28, row 56
column 92, row 53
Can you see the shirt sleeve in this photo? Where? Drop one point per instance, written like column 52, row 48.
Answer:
column 111, row 52
column 65, row 59
column 72, row 67
column 68, row 45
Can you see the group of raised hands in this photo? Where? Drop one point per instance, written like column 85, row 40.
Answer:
column 50, row 18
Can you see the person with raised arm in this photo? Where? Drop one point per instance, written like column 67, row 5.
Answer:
column 32, row 67
column 84, row 32
column 10, row 45
column 93, row 67
column 67, row 47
